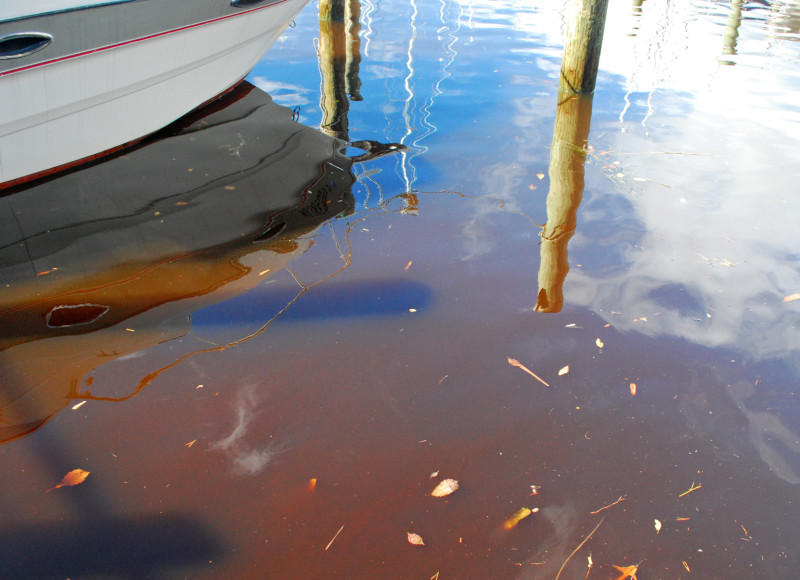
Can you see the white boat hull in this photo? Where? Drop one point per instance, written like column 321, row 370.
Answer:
column 74, row 107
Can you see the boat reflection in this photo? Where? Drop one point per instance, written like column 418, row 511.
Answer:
column 110, row 260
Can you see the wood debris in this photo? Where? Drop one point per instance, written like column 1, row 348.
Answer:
column 691, row 489
column 336, row 535
column 515, row 363
column 605, row 507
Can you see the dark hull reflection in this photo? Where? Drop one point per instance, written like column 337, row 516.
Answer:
column 112, row 259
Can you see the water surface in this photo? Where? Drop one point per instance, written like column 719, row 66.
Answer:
column 300, row 345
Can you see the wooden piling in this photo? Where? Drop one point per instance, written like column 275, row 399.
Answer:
column 584, row 38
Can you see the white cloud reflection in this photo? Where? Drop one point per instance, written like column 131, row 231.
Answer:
column 247, row 459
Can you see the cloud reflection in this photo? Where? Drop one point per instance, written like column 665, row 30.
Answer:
column 247, row 460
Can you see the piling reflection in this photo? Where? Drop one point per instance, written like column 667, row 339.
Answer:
column 567, row 158
column 731, row 35
column 339, row 58
column 637, row 17
column 113, row 259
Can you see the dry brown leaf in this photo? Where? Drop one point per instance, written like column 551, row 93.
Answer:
column 627, row 572
column 445, row 487
column 74, row 477
column 791, row 297
column 415, row 539
column 563, row 371
column 520, row 515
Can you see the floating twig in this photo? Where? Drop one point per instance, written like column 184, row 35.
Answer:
column 691, row 489
column 605, row 507
column 336, row 535
column 586, row 539
column 515, row 363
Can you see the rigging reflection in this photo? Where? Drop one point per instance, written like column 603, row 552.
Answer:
column 113, row 259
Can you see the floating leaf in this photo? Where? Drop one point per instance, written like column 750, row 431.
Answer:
column 312, row 484
column 520, row 515
column 74, row 477
column 791, row 297
column 563, row 371
column 415, row 539
column 599, row 343
column 633, row 389
column 658, row 526
column 540, row 175
column 445, row 487
column 627, row 572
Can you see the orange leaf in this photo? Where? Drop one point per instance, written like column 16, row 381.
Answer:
column 74, row 477
column 520, row 515
column 627, row 572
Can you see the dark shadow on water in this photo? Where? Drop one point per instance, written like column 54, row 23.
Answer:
column 376, row 297
column 115, row 547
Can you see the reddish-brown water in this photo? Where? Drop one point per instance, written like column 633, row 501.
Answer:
column 280, row 401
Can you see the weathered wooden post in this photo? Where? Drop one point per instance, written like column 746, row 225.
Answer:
column 332, row 63
column 567, row 157
column 584, row 37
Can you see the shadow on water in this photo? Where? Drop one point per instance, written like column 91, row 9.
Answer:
column 111, row 547
column 378, row 297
